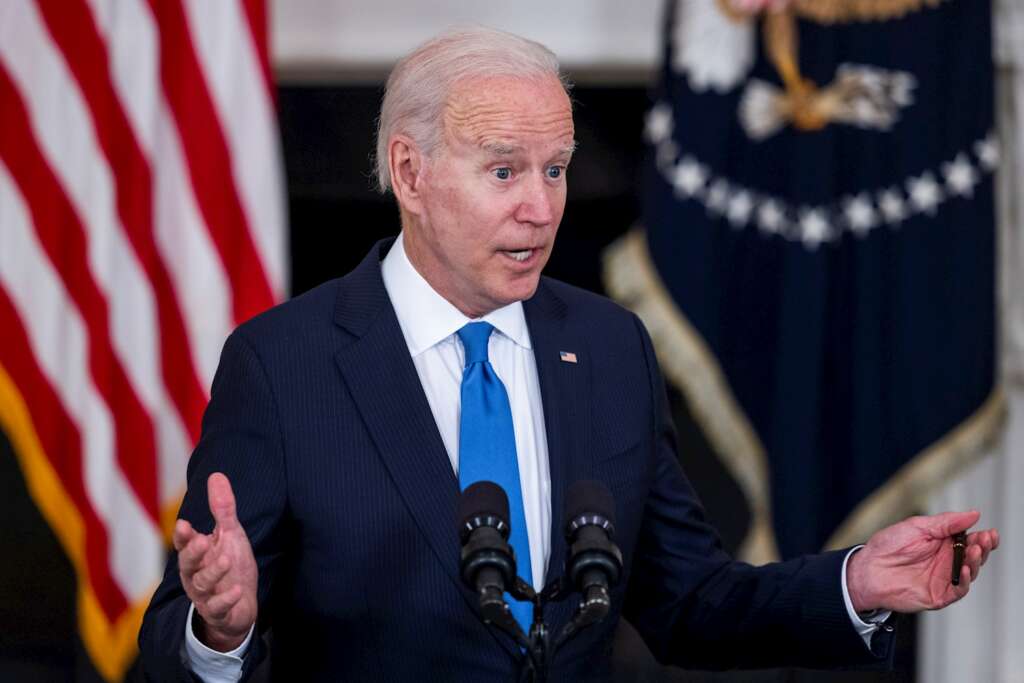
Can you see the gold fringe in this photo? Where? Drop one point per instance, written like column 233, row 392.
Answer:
column 631, row 279
column 689, row 364
column 843, row 11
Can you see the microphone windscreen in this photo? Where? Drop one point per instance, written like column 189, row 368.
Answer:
column 481, row 499
column 589, row 497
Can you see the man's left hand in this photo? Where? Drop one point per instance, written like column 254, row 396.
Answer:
column 907, row 567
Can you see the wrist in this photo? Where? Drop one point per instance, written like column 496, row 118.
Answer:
column 862, row 597
column 216, row 638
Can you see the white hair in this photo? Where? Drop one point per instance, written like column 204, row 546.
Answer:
column 419, row 85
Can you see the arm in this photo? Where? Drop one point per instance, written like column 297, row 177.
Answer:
column 241, row 438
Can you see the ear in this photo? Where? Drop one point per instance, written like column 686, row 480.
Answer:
column 406, row 166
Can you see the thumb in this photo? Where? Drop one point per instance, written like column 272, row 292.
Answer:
column 949, row 523
column 222, row 501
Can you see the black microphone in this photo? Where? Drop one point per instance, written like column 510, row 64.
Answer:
column 488, row 565
column 595, row 562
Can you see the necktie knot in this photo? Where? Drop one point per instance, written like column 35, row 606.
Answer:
column 474, row 338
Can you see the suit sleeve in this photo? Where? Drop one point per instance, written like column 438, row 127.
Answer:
column 241, row 437
column 696, row 607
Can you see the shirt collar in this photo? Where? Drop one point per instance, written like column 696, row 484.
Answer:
column 426, row 317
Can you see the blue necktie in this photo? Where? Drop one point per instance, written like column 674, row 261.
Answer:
column 487, row 447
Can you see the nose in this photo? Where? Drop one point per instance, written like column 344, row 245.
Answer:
column 538, row 202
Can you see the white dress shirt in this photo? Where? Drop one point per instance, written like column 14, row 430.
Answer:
column 429, row 324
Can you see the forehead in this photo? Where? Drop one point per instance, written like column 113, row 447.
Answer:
column 509, row 110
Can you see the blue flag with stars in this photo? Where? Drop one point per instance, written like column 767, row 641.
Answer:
column 816, row 256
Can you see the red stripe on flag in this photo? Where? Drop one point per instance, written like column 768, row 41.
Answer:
column 62, row 443
column 209, row 162
column 256, row 13
column 61, row 233
column 74, row 30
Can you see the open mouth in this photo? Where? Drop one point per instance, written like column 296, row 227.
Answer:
column 520, row 255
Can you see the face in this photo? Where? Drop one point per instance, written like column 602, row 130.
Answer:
column 491, row 199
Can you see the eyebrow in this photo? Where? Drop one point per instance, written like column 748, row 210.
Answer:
column 503, row 149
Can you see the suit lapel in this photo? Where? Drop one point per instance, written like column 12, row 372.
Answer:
column 385, row 387
column 564, row 389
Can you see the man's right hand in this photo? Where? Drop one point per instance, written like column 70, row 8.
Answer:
column 218, row 571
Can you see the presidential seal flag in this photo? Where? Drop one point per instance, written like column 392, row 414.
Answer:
column 816, row 255
column 141, row 219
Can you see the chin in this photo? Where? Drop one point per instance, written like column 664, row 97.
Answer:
column 520, row 291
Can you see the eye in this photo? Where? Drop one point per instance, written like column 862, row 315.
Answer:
column 555, row 172
column 503, row 173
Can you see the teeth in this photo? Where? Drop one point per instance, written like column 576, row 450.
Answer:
column 520, row 255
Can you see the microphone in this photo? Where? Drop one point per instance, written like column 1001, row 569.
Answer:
column 488, row 565
column 489, row 568
column 595, row 562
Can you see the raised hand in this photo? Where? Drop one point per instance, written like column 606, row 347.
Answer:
column 907, row 567
column 218, row 571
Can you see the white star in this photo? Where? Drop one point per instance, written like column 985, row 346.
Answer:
column 960, row 176
column 893, row 207
column 814, row 227
column 925, row 193
column 740, row 207
column 988, row 152
column 659, row 123
column 689, row 177
column 860, row 215
column 718, row 196
column 770, row 216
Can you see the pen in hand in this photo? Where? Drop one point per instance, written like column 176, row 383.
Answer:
column 959, row 547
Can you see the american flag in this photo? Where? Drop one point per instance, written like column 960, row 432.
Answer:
column 141, row 219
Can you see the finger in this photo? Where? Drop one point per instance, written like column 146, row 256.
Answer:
column 191, row 556
column 948, row 523
column 222, row 501
column 973, row 561
column 218, row 606
column 183, row 533
column 987, row 543
column 207, row 578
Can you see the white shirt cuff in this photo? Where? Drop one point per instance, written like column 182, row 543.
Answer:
column 871, row 622
column 210, row 665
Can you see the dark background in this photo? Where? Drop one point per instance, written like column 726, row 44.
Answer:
column 334, row 217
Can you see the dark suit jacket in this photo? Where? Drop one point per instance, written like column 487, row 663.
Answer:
column 348, row 497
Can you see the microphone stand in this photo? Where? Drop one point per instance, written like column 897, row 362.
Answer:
column 537, row 645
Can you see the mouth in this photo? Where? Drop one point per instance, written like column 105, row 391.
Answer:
column 521, row 255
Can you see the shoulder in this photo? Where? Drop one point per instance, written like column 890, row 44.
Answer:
column 293, row 320
column 589, row 311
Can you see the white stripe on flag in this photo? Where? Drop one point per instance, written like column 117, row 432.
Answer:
column 196, row 269
column 133, row 49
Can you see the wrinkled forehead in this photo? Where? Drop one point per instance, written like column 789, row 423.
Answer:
column 500, row 110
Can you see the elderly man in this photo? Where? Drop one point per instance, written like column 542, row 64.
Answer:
column 345, row 422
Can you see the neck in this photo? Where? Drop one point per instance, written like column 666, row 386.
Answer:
column 415, row 251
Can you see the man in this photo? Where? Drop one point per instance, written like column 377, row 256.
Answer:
column 343, row 424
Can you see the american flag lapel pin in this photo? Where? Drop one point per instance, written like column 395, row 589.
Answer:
column 567, row 356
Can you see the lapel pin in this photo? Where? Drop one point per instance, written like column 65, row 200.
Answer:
column 567, row 356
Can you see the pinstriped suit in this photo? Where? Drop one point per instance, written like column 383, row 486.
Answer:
column 348, row 497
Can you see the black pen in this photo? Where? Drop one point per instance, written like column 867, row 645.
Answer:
column 959, row 546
